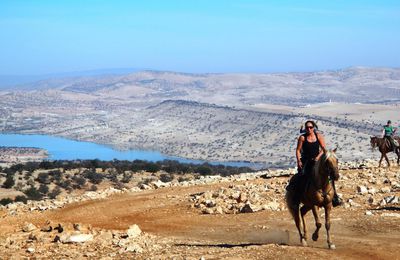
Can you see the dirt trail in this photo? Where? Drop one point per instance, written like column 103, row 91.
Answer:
column 167, row 213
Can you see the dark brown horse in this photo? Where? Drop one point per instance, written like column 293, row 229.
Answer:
column 318, row 193
column 384, row 147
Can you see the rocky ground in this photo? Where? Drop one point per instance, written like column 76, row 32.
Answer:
column 237, row 217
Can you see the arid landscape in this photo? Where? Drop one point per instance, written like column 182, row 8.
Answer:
column 169, row 129
column 144, row 210
column 214, row 117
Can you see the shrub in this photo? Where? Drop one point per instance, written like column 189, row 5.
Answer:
column 43, row 178
column 126, row 178
column 93, row 177
column 9, row 182
column 33, row 194
column 80, row 181
column 21, row 198
column 93, row 188
column 54, row 193
column 152, row 167
column 44, row 189
column 119, row 185
column 166, row 177
column 65, row 184
column 181, row 179
column 6, row 201
column 56, row 175
column 204, row 170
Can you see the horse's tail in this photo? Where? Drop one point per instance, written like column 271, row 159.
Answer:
column 292, row 204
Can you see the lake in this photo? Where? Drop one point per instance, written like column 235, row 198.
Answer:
column 66, row 149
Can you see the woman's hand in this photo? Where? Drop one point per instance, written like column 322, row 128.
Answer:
column 299, row 164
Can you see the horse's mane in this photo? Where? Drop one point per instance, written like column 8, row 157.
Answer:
column 329, row 155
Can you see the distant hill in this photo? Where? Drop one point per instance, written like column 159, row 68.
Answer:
column 32, row 81
column 358, row 84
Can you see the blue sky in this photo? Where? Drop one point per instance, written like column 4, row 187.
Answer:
column 41, row 37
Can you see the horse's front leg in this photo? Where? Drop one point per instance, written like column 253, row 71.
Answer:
column 304, row 211
column 317, row 223
column 328, row 226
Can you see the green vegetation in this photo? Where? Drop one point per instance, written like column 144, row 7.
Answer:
column 51, row 179
column 169, row 166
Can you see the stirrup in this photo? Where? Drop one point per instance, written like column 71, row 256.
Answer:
column 336, row 201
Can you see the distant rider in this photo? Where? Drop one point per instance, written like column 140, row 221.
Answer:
column 307, row 153
column 387, row 132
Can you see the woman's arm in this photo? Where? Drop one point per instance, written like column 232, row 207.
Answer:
column 300, row 142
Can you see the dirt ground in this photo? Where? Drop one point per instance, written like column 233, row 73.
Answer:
column 168, row 214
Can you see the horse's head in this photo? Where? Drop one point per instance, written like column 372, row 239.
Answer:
column 331, row 163
column 374, row 142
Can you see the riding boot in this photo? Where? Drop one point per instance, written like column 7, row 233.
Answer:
column 336, row 201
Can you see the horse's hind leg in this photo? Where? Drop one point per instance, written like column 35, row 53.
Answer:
column 317, row 223
column 303, row 212
column 387, row 160
column 298, row 225
column 328, row 226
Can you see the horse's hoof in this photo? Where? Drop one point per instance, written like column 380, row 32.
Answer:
column 303, row 242
column 332, row 246
column 315, row 236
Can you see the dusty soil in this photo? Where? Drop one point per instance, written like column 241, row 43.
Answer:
column 185, row 233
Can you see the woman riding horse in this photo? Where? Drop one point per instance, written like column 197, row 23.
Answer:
column 307, row 153
column 318, row 193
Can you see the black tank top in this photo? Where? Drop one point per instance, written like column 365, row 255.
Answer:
column 309, row 150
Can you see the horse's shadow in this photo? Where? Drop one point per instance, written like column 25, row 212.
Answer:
column 249, row 238
column 392, row 208
column 223, row 245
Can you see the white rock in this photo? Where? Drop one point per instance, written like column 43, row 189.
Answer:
column 28, row 227
column 362, row 189
column 219, row 210
column 159, row 184
column 145, row 187
column 134, row 231
column 353, row 203
column 11, row 206
column 207, row 211
column 134, row 248
column 79, row 238
column 30, row 250
column 385, row 190
column 395, row 185
column 368, row 213
column 273, row 205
